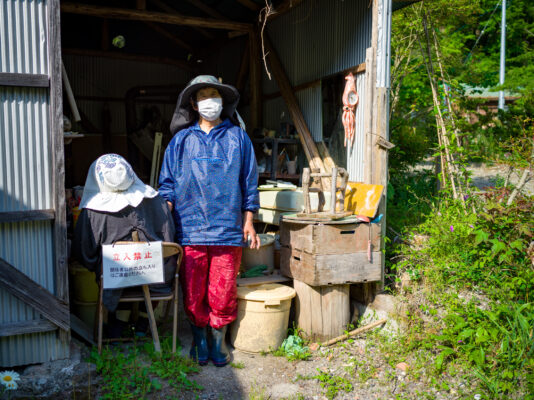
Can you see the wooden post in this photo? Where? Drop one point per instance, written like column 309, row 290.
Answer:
column 255, row 80
column 371, row 117
column 58, row 177
column 322, row 312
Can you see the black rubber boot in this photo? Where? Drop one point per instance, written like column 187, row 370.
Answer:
column 199, row 348
column 219, row 353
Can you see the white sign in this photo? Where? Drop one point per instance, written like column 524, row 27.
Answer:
column 139, row 263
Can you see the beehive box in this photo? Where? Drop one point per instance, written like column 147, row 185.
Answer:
column 330, row 254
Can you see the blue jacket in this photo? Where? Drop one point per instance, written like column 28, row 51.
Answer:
column 211, row 179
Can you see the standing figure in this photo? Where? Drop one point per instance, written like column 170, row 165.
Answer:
column 115, row 203
column 210, row 181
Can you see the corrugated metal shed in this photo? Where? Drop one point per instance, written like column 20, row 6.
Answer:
column 25, row 174
column 23, row 37
column 356, row 155
column 315, row 40
column 26, row 163
column 99, row 77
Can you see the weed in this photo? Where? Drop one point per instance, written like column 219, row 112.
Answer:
column 136, row 371
column 237, row 365
column 293, row 347
column 332, row 383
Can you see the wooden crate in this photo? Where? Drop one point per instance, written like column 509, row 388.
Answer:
column 329, row 239
column 322, row 312
column 321, row 255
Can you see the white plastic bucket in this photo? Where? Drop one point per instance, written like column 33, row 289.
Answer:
column 262, row 317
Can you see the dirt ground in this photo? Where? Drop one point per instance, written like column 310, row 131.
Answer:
column 356, row 365
column 357, row 362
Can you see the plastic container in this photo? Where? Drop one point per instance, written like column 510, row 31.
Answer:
column 262, row 256
column 262, row 317
column 84, row 287
column 86, row 312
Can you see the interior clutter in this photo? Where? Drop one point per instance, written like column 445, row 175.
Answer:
column 320, row 231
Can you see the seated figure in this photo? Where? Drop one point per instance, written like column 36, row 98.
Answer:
column 116, row 203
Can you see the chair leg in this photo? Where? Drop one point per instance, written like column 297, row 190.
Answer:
column 100, row 310
column 175, row 320
column 151, row 318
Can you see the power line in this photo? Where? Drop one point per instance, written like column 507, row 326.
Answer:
column 483, row 31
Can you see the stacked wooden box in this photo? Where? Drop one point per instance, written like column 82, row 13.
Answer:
column 323, row 259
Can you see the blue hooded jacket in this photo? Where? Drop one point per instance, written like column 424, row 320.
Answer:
column 211, row 179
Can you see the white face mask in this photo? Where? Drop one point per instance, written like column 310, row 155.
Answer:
column 210, row 109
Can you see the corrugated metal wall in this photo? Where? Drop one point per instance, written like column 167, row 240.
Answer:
column 25, row 176
column 29, row 247
column 25, row 166
column 311, row 102
column 356, row 155
column 317, row 39
column 104, row 77
column 23, row 36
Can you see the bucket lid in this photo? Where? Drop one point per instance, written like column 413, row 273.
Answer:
column 266, row 292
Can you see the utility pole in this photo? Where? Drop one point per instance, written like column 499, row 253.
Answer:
column 503, row 51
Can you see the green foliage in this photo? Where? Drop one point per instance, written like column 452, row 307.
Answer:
column 137, row 371
column 332, row 383
column 484, row 257
column 468, row 33
column 293, row 348
column 237, row 365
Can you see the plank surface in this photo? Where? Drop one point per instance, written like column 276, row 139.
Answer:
column 26, row 327
column 329, row 239
column 23, row 80
column 29, row 215
column 151, row 16
column 84, row 331
column 34, row 295
column 331, row 269
column 58, row 177
column 322, row 312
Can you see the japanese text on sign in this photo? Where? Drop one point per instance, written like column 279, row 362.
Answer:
column 138, row 263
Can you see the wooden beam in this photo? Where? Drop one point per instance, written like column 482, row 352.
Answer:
column 30, row 215
column 79, row 327
column 22, row 287
column 23, row 80
column 250, row 5
column 151, row 16
column 171, row 36
column 310, row 149
column 55, row 68
column 207, row 9
column 255, row 76
column 163, row 6
column 26, row 327
column 129, row 57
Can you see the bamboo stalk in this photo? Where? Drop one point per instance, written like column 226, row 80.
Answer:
column 355, row 332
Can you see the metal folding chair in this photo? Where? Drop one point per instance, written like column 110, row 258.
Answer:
column 143, row 294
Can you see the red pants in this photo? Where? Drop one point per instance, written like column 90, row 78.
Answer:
column 208, row 279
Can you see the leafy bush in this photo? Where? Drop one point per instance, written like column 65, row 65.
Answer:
column 479, row 280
